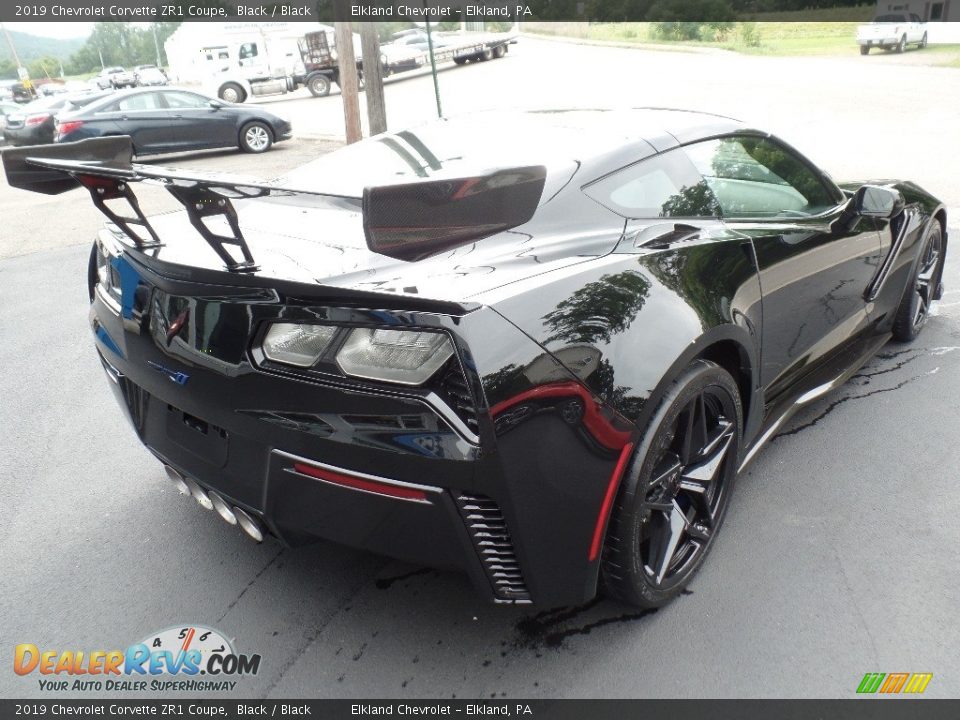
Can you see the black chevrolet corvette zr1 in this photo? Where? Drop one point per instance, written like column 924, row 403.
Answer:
column 536, row 347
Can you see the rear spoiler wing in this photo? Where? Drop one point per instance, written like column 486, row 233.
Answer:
column 407, row 222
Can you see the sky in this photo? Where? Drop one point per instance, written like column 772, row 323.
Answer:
column 52, row 29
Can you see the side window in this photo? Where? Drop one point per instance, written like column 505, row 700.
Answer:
column 184, row 100
column 143, row 101
column 665, row 185
column 756, row 177
column 248, row 50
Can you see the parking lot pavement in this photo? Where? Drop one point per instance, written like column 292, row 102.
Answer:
column 836, row 559
column 31, row 222
column 857, row 117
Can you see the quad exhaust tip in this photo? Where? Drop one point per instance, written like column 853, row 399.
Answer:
column 200, row 495
column 177, row 479
column 213, row 501
column 250, row 526
column 223, row 510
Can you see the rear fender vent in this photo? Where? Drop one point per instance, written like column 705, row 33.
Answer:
column 490, row 536
column 453, row 387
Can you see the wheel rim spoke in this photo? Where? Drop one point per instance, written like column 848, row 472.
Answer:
column 715, row 452
column 666, row 470
column 668, row 539
column 924, row 282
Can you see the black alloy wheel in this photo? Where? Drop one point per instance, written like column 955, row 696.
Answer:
column 674, row 496
column 914, row 309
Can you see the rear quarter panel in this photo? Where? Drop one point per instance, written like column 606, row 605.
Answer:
column 645, row 314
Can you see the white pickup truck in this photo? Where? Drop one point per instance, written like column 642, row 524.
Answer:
column 892, row 31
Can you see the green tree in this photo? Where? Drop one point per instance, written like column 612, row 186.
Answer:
column 45, row 67
column 599, row 310
column 119, row 43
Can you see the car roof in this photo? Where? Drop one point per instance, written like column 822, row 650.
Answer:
column 595, row 141
column 113, row 96
column 599, row 137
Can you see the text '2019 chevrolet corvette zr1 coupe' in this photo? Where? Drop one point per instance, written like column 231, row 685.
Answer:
column 535, row 347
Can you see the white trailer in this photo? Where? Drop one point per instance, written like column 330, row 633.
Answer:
column 235, row 61
column 410, row 49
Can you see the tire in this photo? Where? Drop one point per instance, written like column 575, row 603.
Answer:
column 460, row 60
column 485, row 55
column 864, row 49
column 92, row 275
column 319, row 85
column 232, row 93
column 674, row 495
column 902, row 44
column 923, row 42
column 256, row 137
column 914, row 307
column 499, row 51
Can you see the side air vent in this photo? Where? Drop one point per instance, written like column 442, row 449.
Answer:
column 492, row 539
column 454, row 388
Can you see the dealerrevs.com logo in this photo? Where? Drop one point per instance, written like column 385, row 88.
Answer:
column 182, row 658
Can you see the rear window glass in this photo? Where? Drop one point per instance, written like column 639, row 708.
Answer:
column 666, row 185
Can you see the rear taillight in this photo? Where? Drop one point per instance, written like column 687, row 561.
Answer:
column 36, row 119
column 407, row 357
column 65, row 128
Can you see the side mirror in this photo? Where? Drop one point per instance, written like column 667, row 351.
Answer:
column 878, row 202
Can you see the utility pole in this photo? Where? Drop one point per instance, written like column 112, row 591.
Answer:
column 156, row 45
column 373, row 78
column 433, row 70
column 349, row 84
column 13, row 50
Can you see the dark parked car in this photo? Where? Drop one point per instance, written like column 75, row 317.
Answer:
column 34, row 123
column 545, row 374
column 173, row 120
column 7, row 108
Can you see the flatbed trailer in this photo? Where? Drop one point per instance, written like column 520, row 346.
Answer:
column 460, row 49
column 321, row 69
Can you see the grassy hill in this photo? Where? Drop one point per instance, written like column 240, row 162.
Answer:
column 30, row 47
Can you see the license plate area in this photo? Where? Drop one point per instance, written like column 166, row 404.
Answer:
column 197, row 436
